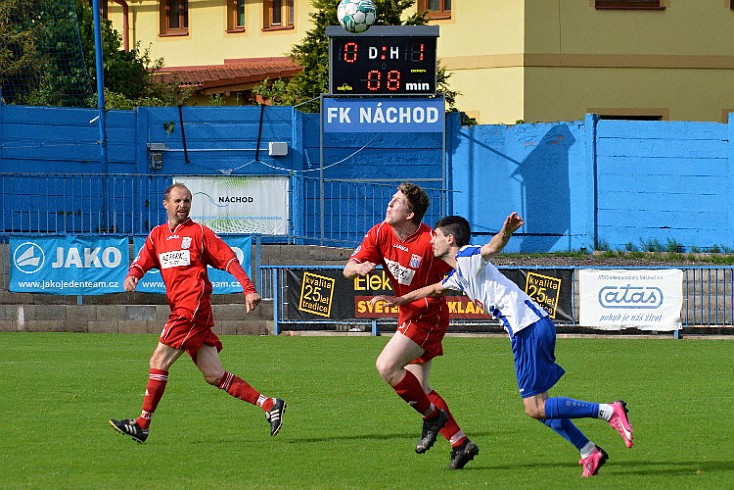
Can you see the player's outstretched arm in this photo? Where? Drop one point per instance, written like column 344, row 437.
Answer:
column 431, row 290
column 499, row 241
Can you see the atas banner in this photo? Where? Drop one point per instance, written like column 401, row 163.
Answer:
column 240, row 204
column 68, row 265
column 222, row 282
column 325, row 293
column 644, row 299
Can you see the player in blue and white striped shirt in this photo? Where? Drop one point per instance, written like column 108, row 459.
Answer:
column 532, row 333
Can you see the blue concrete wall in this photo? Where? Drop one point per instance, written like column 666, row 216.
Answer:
column 579, row 184
column 597, row 183
column 664, row 182
column 539, row 170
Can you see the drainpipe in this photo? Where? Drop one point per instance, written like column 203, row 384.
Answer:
column 125, row 15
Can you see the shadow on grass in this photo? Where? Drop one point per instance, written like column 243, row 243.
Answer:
column 373, row 437
column 641, row 468
column 674, row 467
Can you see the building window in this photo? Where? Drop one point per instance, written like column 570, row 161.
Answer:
column 437, row 9
column 278, row 14
column 235, row 15
column 174, row 17
column 629, row 4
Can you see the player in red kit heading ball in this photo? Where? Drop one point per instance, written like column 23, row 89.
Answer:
column 402, row 245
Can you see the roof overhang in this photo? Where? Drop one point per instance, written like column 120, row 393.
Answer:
column 233, row 76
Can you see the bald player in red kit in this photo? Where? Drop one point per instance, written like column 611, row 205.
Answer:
column 182, row 250
column 402, row 245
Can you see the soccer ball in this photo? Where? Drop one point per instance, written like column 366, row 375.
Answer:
column 356, row 15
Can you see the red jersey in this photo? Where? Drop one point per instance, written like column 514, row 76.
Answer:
column 410, row 265
column 182, row 256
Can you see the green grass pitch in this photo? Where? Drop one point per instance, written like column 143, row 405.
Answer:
column 344, row 427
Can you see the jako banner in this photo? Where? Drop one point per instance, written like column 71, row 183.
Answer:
column 68, row 265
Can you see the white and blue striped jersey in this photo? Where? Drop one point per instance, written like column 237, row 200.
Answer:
column 488, row 288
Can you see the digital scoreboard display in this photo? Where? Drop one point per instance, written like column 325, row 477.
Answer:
column 384, row 60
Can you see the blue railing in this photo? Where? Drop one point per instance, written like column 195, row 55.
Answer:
column 328, row 212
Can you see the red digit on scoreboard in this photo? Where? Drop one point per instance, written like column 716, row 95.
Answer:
column 393, row 80
column 350, row 52
column 373, row 80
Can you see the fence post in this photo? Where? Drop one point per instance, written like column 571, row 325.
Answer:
column 730, row 159
column 590, row 123
column 275, row 281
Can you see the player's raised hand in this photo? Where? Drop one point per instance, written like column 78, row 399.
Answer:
column 512, row 223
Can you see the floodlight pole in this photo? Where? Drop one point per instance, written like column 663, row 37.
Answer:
column 100, row 84
column 101, row 118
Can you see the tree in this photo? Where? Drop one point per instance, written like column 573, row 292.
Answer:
column 129, row 76
column 40, row 58
column 47, row 57
column 313, row 55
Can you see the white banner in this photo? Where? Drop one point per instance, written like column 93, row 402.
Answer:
column 644, row 299
column 240, row 204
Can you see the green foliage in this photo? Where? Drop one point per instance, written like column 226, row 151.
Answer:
column 602, row 245
column 19, row 56
column 40, row 58
column 304, row 89
column 216, row 100
column 675, row 246
column 274, row 93
column 47, row 57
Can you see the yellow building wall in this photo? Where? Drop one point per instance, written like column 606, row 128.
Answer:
column 207, row 42
column 518, row 60
column 677, row 63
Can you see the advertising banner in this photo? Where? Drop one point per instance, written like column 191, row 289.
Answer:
column 325, row 293
column 550, row 288
column 383, row 115
column 68, row 265
column 222, row 282
column 244, row 205
column 644, row 299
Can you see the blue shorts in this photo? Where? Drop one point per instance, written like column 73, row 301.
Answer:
column 535, row 360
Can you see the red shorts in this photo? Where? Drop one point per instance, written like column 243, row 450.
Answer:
column 189, row 334
column 428, row 335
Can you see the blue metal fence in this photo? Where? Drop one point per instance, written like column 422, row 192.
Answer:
column 328, row 212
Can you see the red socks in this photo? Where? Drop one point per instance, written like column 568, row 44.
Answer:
column 451, row 431
column 153, row 392
column 239, row 388
column 410, row 390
